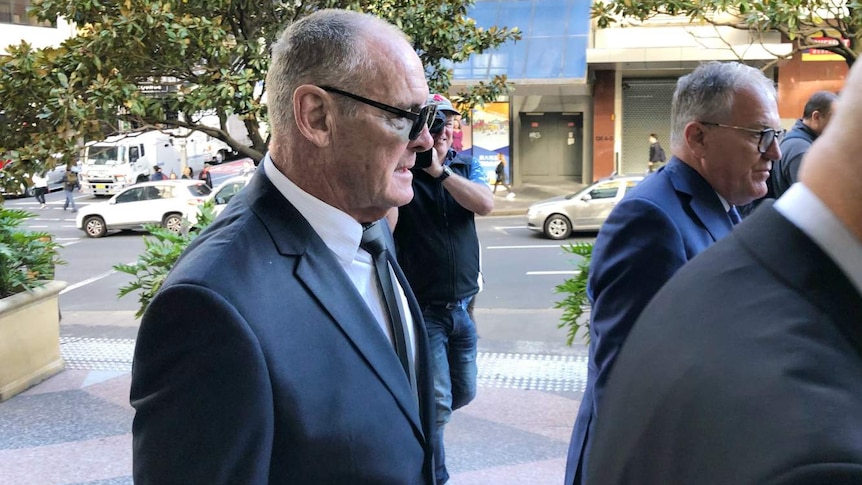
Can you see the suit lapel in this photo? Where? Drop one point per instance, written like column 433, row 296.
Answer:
column 810, row 270
column 702, row 199
column 294, row 237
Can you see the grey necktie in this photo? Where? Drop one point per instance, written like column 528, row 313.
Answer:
column 373, row 242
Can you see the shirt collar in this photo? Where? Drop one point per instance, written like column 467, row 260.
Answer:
column 339, row 231
column 807, row 212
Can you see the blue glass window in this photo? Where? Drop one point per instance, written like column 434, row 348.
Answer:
column 553, row 43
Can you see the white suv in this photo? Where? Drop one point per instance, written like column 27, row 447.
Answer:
column 165, row 202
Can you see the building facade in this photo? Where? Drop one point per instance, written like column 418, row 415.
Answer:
column 583, row 115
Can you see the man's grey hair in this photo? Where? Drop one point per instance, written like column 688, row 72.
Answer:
column 325, row 49
column 707, row 93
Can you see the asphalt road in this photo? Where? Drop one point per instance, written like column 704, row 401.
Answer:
column 521, row 268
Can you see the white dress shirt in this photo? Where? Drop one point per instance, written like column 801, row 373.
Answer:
column 341, row 233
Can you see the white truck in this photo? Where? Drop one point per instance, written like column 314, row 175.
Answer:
column 117, row 162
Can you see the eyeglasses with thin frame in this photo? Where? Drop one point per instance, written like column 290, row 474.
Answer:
column 767, row 135
column 420, row 120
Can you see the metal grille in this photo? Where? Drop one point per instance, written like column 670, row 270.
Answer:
column 646, row 109
column 538, row 372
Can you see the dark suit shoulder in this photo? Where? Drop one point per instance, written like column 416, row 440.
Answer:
column 728, row 360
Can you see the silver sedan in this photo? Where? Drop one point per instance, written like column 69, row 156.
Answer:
column 585, row 210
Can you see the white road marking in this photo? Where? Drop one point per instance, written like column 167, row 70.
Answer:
column 544, row 273
column 90, row 280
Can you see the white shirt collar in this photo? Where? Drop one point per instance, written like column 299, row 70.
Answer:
column 339, row 231
column 807, row 212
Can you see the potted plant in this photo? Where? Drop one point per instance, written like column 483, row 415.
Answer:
column 29, row 305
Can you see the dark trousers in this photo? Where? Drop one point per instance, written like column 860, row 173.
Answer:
column 39, row 192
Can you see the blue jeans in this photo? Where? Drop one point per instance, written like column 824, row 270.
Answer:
column 70, row 200
column 452, row 338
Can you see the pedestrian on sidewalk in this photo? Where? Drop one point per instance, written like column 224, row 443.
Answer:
column 40, row 188
column 439, row 250
column 657, row 156
column 500, row 176
column 276, row 363
column 70, row 184
column 719, row 159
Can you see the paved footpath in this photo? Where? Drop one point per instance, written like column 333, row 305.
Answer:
column 75, row 428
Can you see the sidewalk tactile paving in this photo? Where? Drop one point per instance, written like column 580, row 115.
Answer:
column 83, row 353
column 532, row 371
column 536, row 372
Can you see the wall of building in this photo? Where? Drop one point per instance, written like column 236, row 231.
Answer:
column 798, row 80
column 38, row 37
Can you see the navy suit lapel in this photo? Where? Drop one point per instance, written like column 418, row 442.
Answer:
column 702, row 199
column 294, row 237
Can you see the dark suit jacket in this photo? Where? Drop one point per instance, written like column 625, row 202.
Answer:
column 746, row 368
column 259, row 362
column 662, row 223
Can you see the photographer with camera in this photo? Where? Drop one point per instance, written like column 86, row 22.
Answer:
column 438, row 249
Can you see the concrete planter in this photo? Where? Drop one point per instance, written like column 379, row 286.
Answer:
column 29, row 338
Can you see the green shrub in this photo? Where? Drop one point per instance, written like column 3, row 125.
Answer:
column 575, row 291
column 161, row 253
column 27, row 258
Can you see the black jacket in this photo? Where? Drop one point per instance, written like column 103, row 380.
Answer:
column 794, row 146
column 436, row 240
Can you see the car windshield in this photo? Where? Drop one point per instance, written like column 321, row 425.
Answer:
column 105, row 155
column 199, row 190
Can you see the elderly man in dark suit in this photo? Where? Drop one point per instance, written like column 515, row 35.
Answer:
column 746, row 368
column 267, row 355
column 724, row 134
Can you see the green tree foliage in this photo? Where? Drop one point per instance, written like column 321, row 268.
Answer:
column 802, row 21
column 145, row 61
column 575, row 300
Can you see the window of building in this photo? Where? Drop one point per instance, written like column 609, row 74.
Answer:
column 15, row 12
column 553, row 44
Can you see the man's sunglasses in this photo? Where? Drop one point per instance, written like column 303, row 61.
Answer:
column 420, row 120
column 767, row 135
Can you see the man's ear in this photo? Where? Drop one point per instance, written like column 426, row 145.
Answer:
column 695, row 138
column 313, row 111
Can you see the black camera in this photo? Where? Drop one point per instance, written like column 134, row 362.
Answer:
column 423, row 159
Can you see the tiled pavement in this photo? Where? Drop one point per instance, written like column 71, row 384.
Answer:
column 75, row 427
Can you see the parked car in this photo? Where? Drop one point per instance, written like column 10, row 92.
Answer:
column 225, row 191
column 25, row 188
column 165, row 202
column 585, row 210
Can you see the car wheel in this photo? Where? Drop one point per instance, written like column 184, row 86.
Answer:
column 558, row 227
column 31, row 192
column 142, row 178
column 94, row 226
column 220, row 157
column 173, row 223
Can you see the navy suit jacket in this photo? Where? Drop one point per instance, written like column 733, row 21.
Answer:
column 746, row 368
column 259, row 362
column 666, row 220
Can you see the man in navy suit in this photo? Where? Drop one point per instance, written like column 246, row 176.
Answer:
column 267, row 355
column 746, row 368
column 724, row 135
